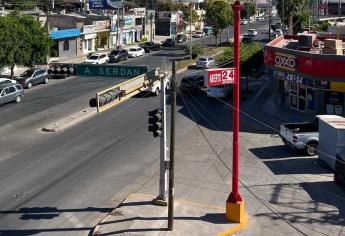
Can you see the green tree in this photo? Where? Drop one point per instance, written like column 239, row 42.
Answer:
column 218, row 15
column 22, row 41
column 289, row 9
column 323, row 26
column 248, row 10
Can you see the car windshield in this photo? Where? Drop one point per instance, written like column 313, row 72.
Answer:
column 93, row 57
column 202, row 59
column 28, row 73
column 148, row 43
column 133, row 50
column 116, row 52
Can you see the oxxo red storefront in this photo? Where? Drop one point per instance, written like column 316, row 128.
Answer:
column 307, row 81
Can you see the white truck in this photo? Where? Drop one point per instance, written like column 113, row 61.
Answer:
column 303, row 135
column 155, row 86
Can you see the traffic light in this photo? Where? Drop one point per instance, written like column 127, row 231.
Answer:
column 156, row 122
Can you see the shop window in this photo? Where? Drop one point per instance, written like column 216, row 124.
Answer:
column 334, row 103
column 66, row 45
column 310, row 99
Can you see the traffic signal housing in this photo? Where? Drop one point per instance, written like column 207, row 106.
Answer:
column 156, row 122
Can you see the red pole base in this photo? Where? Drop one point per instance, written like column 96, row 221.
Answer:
column 234, row 198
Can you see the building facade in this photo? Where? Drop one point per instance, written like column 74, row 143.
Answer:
column 310, row 80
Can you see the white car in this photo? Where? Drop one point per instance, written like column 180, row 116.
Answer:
column 136, row 52
column 97, row 58
column 198, row 34
column 252, row 32
column 205, row 62
column 155, row 88
column 218, row 91
column 244, row 22
column 279, row 32
column 7, row 81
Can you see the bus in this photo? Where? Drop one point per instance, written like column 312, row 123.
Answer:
column 208, row 30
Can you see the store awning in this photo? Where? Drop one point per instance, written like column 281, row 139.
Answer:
column 67, row 33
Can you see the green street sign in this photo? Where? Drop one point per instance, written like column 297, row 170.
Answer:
column 111, row 70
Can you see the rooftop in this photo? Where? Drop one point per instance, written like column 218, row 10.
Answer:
column 291, row 42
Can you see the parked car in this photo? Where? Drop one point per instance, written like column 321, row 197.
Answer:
column 205, row 62
column 33, row 76
column 181, row 38
column 151, row 46
column 252, row 32
column 198, row 34
column 247, row 39
column 97, row 58
column 302, row 135
column 244, row 22
column 136, row 52
column 278, row 32
column 11, row 93
column 208, row 30
column 262, row 18
column 118, row 55
column 169, row 43
column 6, row 81
column 192, row 83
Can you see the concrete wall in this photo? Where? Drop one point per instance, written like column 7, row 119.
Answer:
column 72, row 48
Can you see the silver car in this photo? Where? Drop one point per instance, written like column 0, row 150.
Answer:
column 11, row 93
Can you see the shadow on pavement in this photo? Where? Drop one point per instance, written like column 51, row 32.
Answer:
column 275, row 152
column 47, row 213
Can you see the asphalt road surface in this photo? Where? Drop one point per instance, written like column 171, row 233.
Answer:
column 64, row 183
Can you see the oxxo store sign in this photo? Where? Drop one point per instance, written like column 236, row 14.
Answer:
column 285, row 61
column 111, row 70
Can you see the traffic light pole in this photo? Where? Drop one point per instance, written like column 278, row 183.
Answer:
column 172, row 150
column 161, row 199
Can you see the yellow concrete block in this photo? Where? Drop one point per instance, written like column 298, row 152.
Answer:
column 235, row 212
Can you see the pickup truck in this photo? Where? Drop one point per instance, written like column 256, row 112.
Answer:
column 304, row 135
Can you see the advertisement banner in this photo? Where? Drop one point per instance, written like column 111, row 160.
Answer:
column 219, row 76
column 105, row 4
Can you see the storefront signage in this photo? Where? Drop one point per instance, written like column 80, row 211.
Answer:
column 89, row 29
column 111, row 70
column 310, row 65
column 321, row 84
column 102, row 25
column 105, row 4
column 285, row 61
column 140, row 11
column 220, row 76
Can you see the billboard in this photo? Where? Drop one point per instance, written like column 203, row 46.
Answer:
column 219, row 76
column 105, row 4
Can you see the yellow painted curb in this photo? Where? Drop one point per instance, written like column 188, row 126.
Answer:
column 236, row 228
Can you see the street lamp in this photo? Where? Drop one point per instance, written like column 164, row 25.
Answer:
column 151, row 32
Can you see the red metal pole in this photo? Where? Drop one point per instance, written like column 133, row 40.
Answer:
column 234, row 196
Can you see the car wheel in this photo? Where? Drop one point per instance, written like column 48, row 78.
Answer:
column 29, row 85
column 18, row 99
column 46, row 80
column 157, row 92
column 312, row 149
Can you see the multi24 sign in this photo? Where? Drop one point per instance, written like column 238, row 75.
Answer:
column 219, row 76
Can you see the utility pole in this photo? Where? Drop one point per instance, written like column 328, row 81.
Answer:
column 190, row 30
column 283, row 20
column 235, row 205
column 269, row 20
column 172, row 150
column 117, row 27
column 151, row 31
